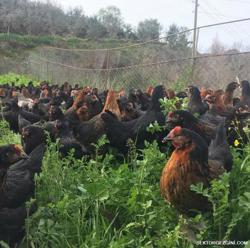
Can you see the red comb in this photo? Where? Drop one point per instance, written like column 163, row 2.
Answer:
column 177, row 129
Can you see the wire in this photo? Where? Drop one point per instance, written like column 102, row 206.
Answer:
column 143, row 65
column 216, row 17
column 238, row 1
column 219, row 15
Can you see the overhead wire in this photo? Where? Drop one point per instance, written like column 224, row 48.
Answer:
column 219, row 17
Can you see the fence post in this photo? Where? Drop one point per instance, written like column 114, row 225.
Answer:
column 108, row 67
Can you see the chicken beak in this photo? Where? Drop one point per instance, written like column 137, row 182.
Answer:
column 23, row 155
column 167, row 138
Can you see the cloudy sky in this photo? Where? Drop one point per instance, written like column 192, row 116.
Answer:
column 181, row 12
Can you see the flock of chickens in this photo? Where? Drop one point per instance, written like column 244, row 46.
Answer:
column 78, row 117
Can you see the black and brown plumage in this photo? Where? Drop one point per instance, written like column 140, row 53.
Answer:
column 188, row 165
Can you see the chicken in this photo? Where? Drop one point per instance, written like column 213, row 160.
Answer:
column 216, row 105
column 143, row 100
column 12, row 223
column 170, row 94
column 83, row 113
column 205, row 92
column 149, row 91
column 3, row 92
column 10, row 154
column 11, row 112
column 186, row 120
column 219, row 149
column 188, row 165
column 245, row 95
column 67, row 141
column 55, row 113
column 195, row 104
column 16, row 187
column 111, row 104
column 94, row 105
column 78, row 102
column 16, row 184
column 90, row 131
column 119, row 132
column 32, row 136
column 129, row 112
column 212, row 117
column 228, row 96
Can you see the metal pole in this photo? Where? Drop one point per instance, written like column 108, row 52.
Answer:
column 194, row 37
column 195, row 28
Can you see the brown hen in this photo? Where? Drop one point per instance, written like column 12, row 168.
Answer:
column 188, row 165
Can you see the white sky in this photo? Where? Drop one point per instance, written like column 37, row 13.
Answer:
column 181, row 12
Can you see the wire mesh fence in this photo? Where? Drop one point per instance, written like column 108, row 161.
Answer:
column 138, row 65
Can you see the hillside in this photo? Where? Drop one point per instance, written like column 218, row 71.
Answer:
column 116, row 63
column 35, row 55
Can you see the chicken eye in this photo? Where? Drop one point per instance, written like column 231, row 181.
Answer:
column 7, row 154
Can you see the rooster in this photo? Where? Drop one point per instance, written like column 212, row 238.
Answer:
column 188, row 165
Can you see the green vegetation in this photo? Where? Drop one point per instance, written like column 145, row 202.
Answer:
column 17, row 79
column 7, row 136
column 32, row 41
column 114, row 201
column 109, row 202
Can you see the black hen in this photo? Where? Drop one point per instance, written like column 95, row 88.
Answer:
column 68, row 141
column 10, row 154
column 12, row 222
column 119, row 132
column 245, row 95
column 219, row 148
column 185, row 119
column 32, row 136
column 16, row 185
column 196, row 105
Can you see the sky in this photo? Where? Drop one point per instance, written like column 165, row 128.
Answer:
column 181, row 12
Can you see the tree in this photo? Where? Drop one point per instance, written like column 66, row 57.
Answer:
column 75, row 20
column 177, row 37
column 149, row 29
column 217, row 46
column 111, row 19
column 95, row 28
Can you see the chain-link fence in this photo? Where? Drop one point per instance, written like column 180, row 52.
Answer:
column 138, row 65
